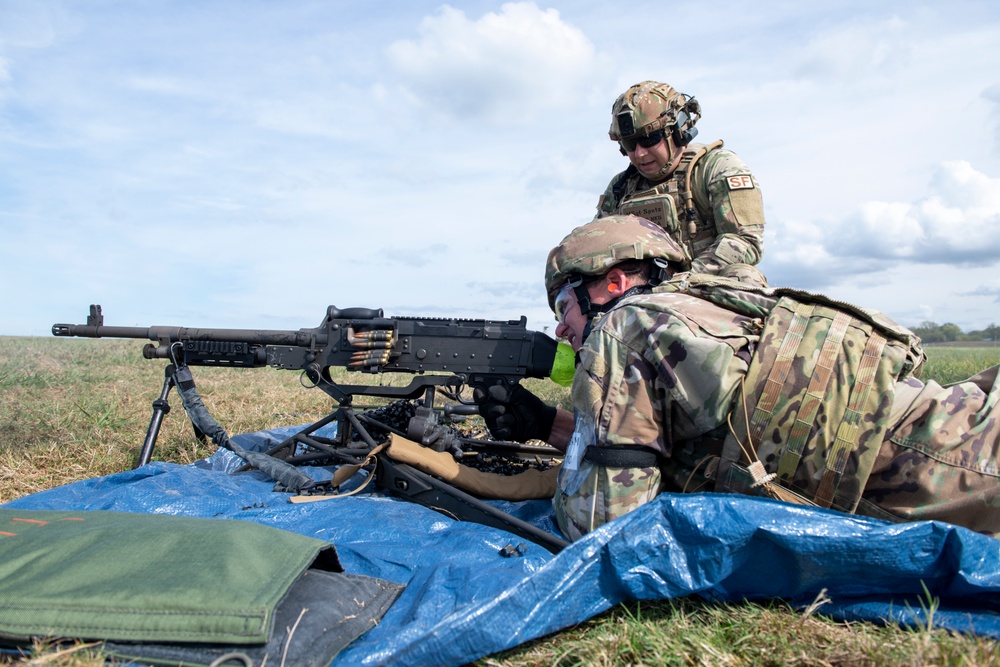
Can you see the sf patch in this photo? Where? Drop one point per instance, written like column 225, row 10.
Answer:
column 743, row 182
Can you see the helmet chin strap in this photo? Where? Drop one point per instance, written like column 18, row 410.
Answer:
column 660, row 271
column 591, row 311
column 669, row 165
column 677, row 138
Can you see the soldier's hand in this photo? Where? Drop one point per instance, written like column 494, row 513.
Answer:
column 514, row 413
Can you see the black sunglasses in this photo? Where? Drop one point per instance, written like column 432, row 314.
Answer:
column 646, row 141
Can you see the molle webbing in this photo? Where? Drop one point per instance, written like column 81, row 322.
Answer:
column 816, row 395
column 847, row 434
column 813, row 398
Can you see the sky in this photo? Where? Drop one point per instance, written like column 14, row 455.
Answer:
column 245, row 164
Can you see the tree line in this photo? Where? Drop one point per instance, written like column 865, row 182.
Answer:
column 932, row 332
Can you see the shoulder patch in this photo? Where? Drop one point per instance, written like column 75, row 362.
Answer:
column 742, row 182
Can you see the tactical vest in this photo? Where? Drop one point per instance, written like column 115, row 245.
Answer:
column 813, row 410
column 671, row 205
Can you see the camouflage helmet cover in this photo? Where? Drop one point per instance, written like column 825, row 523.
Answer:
column 650, row 106
column 594, row 248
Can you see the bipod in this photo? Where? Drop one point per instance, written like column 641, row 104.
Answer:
column 161, row 408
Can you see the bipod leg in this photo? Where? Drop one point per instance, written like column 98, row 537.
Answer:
column 160, row 409
column 285, row 450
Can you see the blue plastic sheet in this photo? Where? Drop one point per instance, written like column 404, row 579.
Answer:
column 463, row 600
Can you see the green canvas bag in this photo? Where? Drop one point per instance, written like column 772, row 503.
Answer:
column 179, row 589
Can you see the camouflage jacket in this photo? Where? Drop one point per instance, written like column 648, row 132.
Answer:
column 630, row 390
column 729, row 209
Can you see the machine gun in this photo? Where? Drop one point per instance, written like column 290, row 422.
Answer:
column 450, row 354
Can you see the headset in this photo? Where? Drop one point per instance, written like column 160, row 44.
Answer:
column 682, row 131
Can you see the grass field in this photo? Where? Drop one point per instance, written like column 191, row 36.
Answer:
column 74, row 409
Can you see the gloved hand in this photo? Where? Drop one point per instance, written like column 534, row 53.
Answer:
column 514, row 413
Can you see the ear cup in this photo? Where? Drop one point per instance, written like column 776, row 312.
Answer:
column 684, row 131
column 684, row 137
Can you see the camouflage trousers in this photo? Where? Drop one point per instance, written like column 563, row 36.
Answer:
column 941, row 459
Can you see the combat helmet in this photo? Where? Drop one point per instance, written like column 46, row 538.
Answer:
column 591, row 250
column 650, row 106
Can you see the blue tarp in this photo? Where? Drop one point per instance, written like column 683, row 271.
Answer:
column 463, row 600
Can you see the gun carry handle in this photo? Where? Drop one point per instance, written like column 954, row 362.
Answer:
column 334, row 313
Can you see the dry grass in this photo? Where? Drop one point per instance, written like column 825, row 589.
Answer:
column 76, row 409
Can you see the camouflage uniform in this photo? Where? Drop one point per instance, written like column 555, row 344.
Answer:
column 663, row 396
column 941, row 458
column 730, row 211
column 667, row 372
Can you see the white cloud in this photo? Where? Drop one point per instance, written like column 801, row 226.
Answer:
column 992, row 97
column 957, row 223
column 589, row 166
column 415, row 257
column 159, row 85
column 507, row 66
column 32, row 25
column 857, row 50
column 979, row 194
column 310, row 114
column 989, row 288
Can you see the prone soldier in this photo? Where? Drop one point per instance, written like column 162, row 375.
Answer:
column 689, row 383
